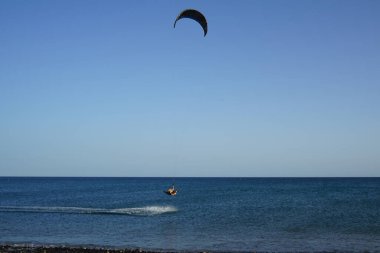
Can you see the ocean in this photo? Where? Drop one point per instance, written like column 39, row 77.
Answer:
column 208, row 214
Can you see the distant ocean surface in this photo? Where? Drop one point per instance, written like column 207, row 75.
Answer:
column 208, row 214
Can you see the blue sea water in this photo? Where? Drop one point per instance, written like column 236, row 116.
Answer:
column 208, row 214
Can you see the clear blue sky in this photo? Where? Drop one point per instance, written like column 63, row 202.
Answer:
column 109, row 88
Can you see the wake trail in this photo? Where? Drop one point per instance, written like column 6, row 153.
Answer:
column 136, row 211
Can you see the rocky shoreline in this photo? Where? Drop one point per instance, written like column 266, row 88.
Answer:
column 66, row 249
column 84, row 249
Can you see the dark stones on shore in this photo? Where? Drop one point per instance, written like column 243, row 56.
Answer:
column 67, row 249
column 36, row 249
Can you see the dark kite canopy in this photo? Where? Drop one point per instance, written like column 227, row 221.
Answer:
column 195, row 15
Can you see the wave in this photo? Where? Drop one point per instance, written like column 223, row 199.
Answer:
column 137, row 211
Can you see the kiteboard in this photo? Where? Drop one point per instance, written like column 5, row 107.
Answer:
column 171, row 193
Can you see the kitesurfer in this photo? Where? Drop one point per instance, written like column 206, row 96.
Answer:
column 171, row 190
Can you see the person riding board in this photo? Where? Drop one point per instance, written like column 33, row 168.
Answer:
column 171, row 190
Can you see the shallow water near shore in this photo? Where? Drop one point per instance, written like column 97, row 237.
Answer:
column 213, row 214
